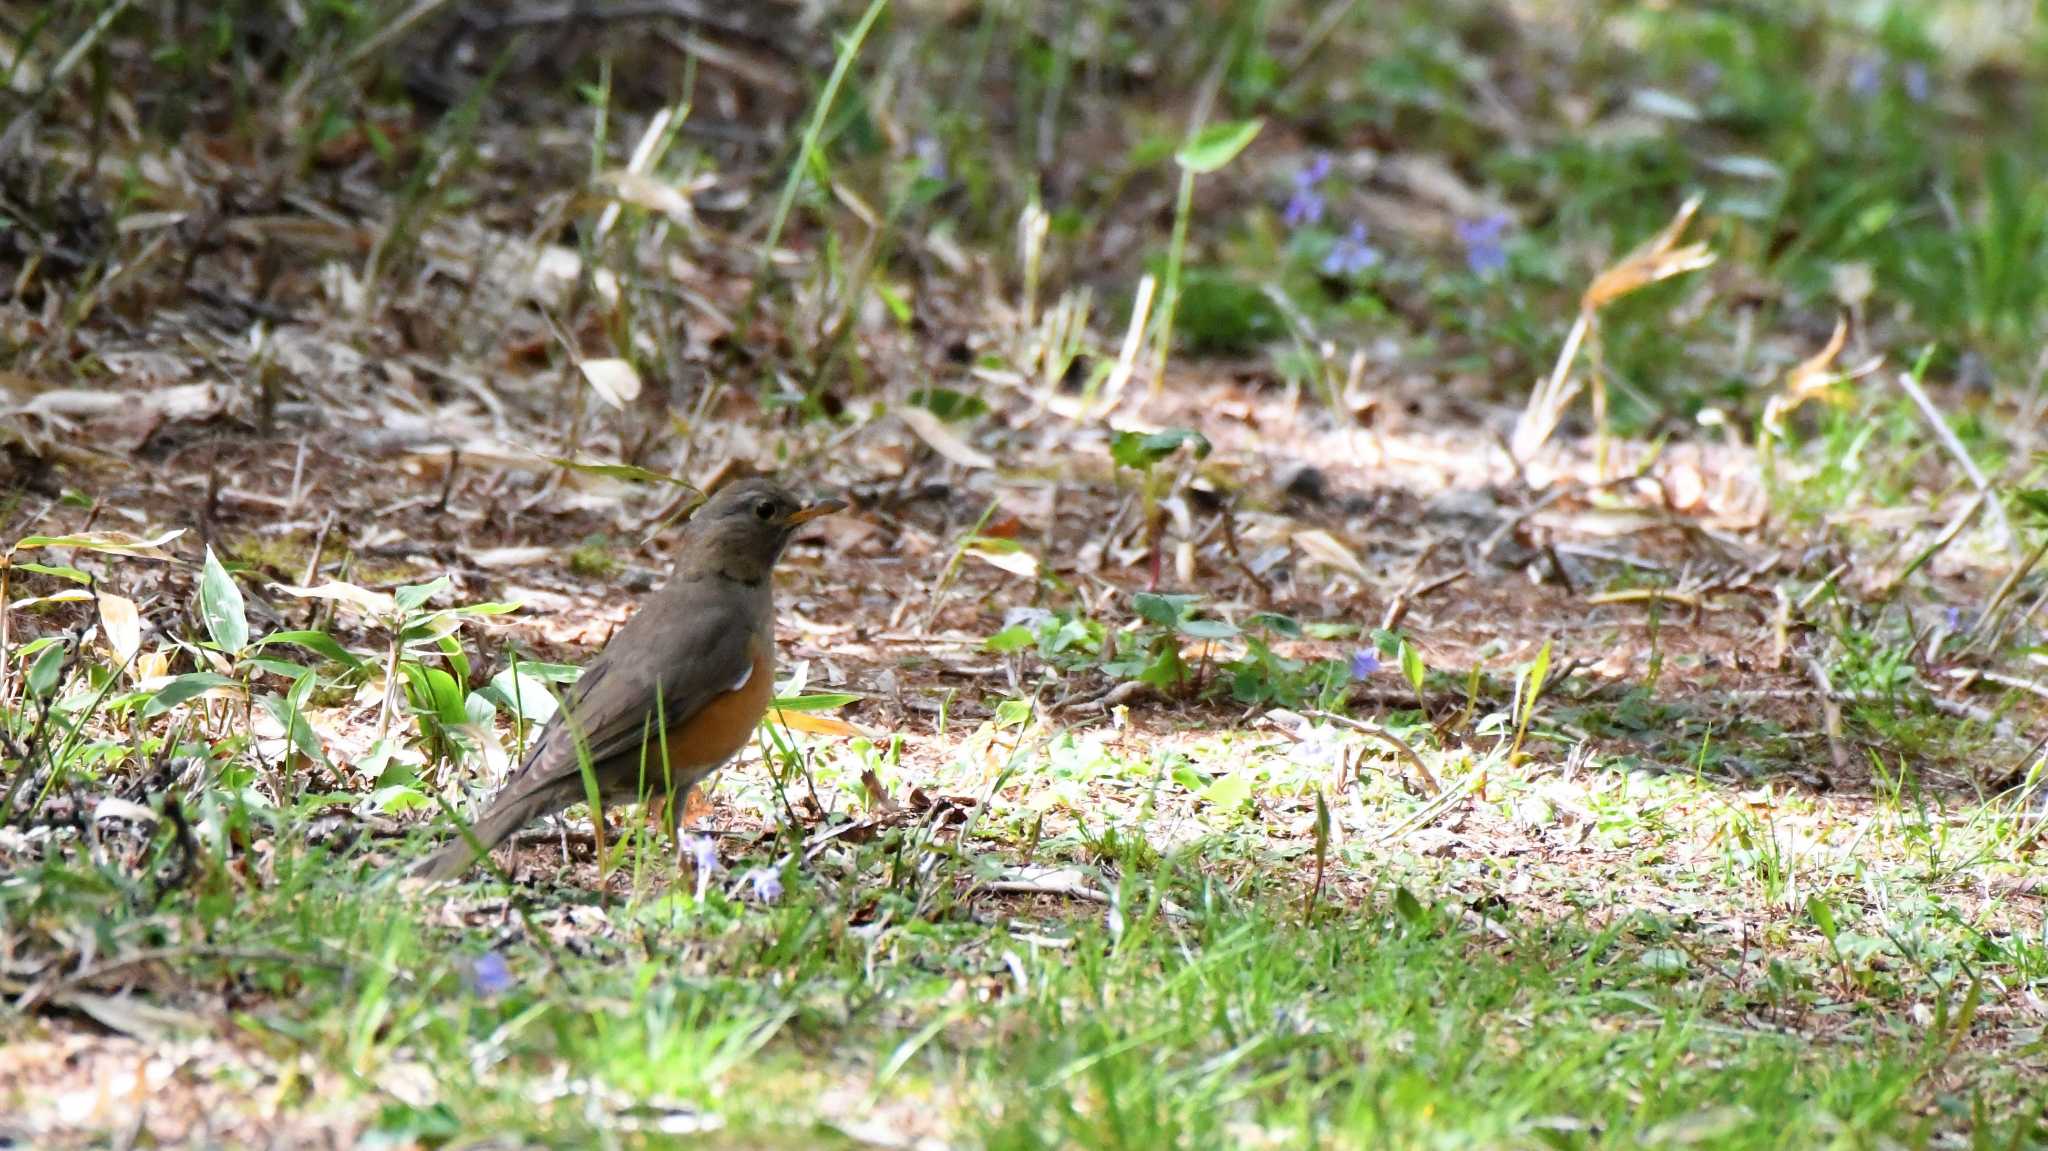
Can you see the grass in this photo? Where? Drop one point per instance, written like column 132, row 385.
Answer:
column 1742, row 864
column 1197, row 1009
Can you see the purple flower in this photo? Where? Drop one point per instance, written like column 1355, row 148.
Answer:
column 1914, row 78
column 1351, row 255
column 765, row 885
column 1484, row 252
column 1305, row 205
column 1952, row 618
column 703, row 852
column 489, row 976
column 1866, row 75
column 931, row 156
column 1706, row 76
column 1364, row 662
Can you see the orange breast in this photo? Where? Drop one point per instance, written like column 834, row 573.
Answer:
column 723, row 726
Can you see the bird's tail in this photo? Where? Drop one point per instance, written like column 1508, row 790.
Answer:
column 507, row 814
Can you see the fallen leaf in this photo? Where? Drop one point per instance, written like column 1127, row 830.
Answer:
column 122, row 625
column 941, row 439
column 1017, row 562
column 818, row 724
column 373, row 602
column 110, row 543
column 615, row 381
column 879, row 799
column 1323, row 548
column 511, row 557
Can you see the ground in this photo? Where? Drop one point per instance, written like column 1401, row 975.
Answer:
column 1277, row 731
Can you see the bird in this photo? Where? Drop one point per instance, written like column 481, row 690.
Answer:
column 679, row 688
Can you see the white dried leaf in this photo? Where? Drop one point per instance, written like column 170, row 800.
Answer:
column 121, row 623
column 615, row 381
column 373, row 602
column 1020, row 562
column 1323, row 548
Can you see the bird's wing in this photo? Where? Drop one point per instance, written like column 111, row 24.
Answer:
column 682, row 650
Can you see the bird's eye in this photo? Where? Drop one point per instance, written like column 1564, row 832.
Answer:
column 765, row 510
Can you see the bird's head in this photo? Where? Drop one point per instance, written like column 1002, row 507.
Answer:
column 743, row 527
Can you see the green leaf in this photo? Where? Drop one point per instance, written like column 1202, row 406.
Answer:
column 317, row 642
column 42, row 675
column 1411, row 665
column 458, row 662
column 1823, row 915
column 1217, row 145
column 522, row 693
column 1139, row 451
column 59, row 570
column 1010, row 639
column 434, row 693
column 1409, row 907
column 296, row 728
column 821, row 701
column 1166, row 670
column 185, row 689
column 489, row 607
column 1162, row 610
column 1538, row 673
column 1229, row 791
column 220, row 605
column 283, row 667
column 618, row 471
column 948, row 404
column 550, row 672
column 430, row 629
column 108, row 543
column 413, row 595
column 1274, row 622
column 1207, row 629
column 2033, row 500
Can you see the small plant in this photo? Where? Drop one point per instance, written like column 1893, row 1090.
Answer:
column 1143, row 453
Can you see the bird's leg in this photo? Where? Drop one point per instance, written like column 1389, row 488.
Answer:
column 673, row 806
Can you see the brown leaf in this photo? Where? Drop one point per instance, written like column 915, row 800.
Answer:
column 878, row 796
column 942, row 439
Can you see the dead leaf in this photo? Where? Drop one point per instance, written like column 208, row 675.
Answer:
column 110, row 543
column 121, row 623
column 1659, row 259
column 511, row 557
column 361, row 598
column 1016, row 562
column 615, row 381
column 1323, row 548
column 879, row 799
column 820, row 724
column 934, row 432
column 644, row 191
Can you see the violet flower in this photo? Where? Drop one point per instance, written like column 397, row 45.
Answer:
column 764, row 884
column 1485, row 252
column 488, row 975
column 1351, row 255
column 1915, row 80
column 703, row 852
column 931, row 156
column 1305, row 205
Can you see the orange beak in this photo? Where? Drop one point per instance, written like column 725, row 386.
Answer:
column 804, row 515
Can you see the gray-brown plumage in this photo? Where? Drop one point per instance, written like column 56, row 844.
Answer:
column 677, row 691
